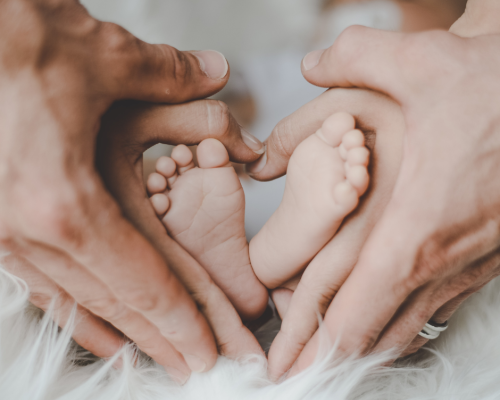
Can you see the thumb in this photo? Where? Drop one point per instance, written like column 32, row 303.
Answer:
column 360, row 57
column 133, row 69
column 139, row 125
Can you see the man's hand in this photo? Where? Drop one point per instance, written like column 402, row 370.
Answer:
column 60, row 70
column 438, row 239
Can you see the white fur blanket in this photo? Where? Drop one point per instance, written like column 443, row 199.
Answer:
column 39, row 362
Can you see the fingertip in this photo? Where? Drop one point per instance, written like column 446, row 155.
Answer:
column 212, row 63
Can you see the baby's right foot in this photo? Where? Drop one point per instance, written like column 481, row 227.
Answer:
column 326, row 176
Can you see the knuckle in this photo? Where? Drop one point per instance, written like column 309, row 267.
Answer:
column 430, row 56
column 346, row 46
column 281, row 140
column 428, row 263
column 181, row 66
column 106, row 307
column 218, row 119
column 115, row 38
column 120, row 51
column 142, row 300
column 46, row 301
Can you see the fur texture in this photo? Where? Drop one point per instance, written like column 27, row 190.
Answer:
column 38, row 361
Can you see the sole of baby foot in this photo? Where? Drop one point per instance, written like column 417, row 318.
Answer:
column 326, row 175
column 203, row 209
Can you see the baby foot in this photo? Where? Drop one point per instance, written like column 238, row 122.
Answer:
column 326, row 175
column 203, row 209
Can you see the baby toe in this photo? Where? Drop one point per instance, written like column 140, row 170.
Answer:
column 346, row 196
column 212, row 154
column 160, row 203
column 352, row 139
column 166, row 166
column 156, row 183
column 358, row 178
column 358, row 156
column 335, row 127
column 183, row 158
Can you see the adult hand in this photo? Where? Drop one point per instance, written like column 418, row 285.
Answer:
column 129, row 129
column 60, row 71
column 438, row 238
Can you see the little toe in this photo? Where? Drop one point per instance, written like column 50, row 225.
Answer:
column 183, row 158
column 346, row 196
column 160, row 203
column 358, row 177
column 156, row 183
column 353, row 138
column 335, row 127
column 358, row 156
column 212, row 154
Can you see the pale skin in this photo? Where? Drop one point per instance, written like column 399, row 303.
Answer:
column 203, row 208
column 67, row 236
column 437, row 240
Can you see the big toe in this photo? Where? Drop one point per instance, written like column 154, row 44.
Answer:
column 212, row 154
column 335, row 127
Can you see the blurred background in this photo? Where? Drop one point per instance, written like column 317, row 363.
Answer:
column 264, row 42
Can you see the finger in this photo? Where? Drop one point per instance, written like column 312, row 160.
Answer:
column 437, row 302
column 379, row 279
column 292, row 130
column 94, row 296
column 314, row 293
column 281, row 299
column 232, row 337
column 90, row 332
column 104, row 243
column 360, row 57
column 187, row 124
column 133, row 69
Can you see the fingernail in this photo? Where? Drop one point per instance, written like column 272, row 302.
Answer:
column 258, row 165
column 177, row 375
column 212, row 63
column 251, row 141
column 312, row 59
column 195, row 364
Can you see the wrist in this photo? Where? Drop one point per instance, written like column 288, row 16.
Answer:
column 481, row 17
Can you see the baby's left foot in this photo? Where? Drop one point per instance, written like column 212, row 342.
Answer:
column 203, row 209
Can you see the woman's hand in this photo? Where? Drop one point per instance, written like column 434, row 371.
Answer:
column 60, row 71
column 438, row 239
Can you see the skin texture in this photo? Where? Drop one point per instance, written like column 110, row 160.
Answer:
column 325, row 178
column 438, row 239
column 60, row 71
column 203, row 209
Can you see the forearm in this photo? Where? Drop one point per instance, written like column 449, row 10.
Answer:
column 480, row 17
